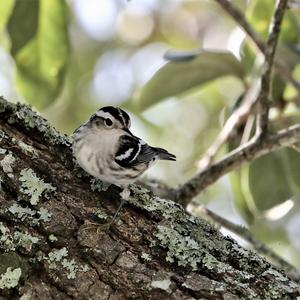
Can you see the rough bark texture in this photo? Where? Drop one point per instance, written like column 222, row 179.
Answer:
column 50, row 250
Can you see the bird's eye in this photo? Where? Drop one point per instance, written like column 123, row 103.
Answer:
column 108, row 122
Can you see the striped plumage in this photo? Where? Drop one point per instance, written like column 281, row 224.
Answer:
column 105, row 148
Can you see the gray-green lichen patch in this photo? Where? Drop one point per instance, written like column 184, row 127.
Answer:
column 2, row 135
column 146, row 256
column 98, row 185
column 290, row 286
column 141, row 198
column 7, row 164
column 57, row 259
column 57, row 255
column 10, row 278
column 275, row 273
column 102, row 215
column 2, row 151
column 45, row 215
column 33, row 186
column 24, row 240
column 22, row 213
column 11, row 241
column 27, row 149
column 29, row 215
column 52, row 238
column 163, row 284
column 183, row 250
column 20, row 113
column 186, row 251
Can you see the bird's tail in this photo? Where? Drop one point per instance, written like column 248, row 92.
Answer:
column 164, row 154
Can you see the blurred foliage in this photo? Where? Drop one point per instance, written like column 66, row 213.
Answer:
column 40, row 47
column 192, row 70
column 70, row 58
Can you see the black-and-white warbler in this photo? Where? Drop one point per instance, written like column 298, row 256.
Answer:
column 105, row 148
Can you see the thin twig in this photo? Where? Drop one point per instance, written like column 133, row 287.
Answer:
column 270, row 50
column 248, row 152
column 247, row 130
column 261, row 143
column 244, row 233
column 296, row 147
column 239, row 17
column 251, row 97
column 237, row 117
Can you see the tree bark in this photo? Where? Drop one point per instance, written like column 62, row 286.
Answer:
column 50, row 247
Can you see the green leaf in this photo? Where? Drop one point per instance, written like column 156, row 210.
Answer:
column 268, row 181
column 5, row 12
column 260, row 13
column 186, row 71
column 40, row 49
column 278, row 87
column 23, row 23
column 289, row 54
column 240, row 194
column 248, row 56
column 292, row 168
column 239, row 198
column 290, row 29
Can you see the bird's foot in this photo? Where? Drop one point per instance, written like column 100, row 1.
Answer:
column 106, row 226
column 99, row 227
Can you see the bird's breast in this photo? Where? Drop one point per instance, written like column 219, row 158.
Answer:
column 96, row 155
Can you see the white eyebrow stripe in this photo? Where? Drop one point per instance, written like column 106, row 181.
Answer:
column 103, row 114
column 124, row 155
column 137, row 152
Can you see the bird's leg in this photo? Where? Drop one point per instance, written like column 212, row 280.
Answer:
column 124, row 197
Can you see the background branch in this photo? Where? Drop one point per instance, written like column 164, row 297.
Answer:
column 266, row 80
column 250, row 151
column 238, row 116
column 239, row 17
column 261, row 143
column 251, row 97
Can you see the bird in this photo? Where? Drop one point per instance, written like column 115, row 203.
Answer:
column 105, row 148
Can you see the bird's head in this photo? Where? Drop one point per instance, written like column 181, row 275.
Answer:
column 110, row 117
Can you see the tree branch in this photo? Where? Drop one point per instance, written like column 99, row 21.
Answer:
column 235, row 159
column 155, row 251
column 270, row 50
column 260, row 144
column 245, row 234
column 239, row 116
column 239, row 17
column 251, row 97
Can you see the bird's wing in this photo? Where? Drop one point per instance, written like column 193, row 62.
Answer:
column 133, row 151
